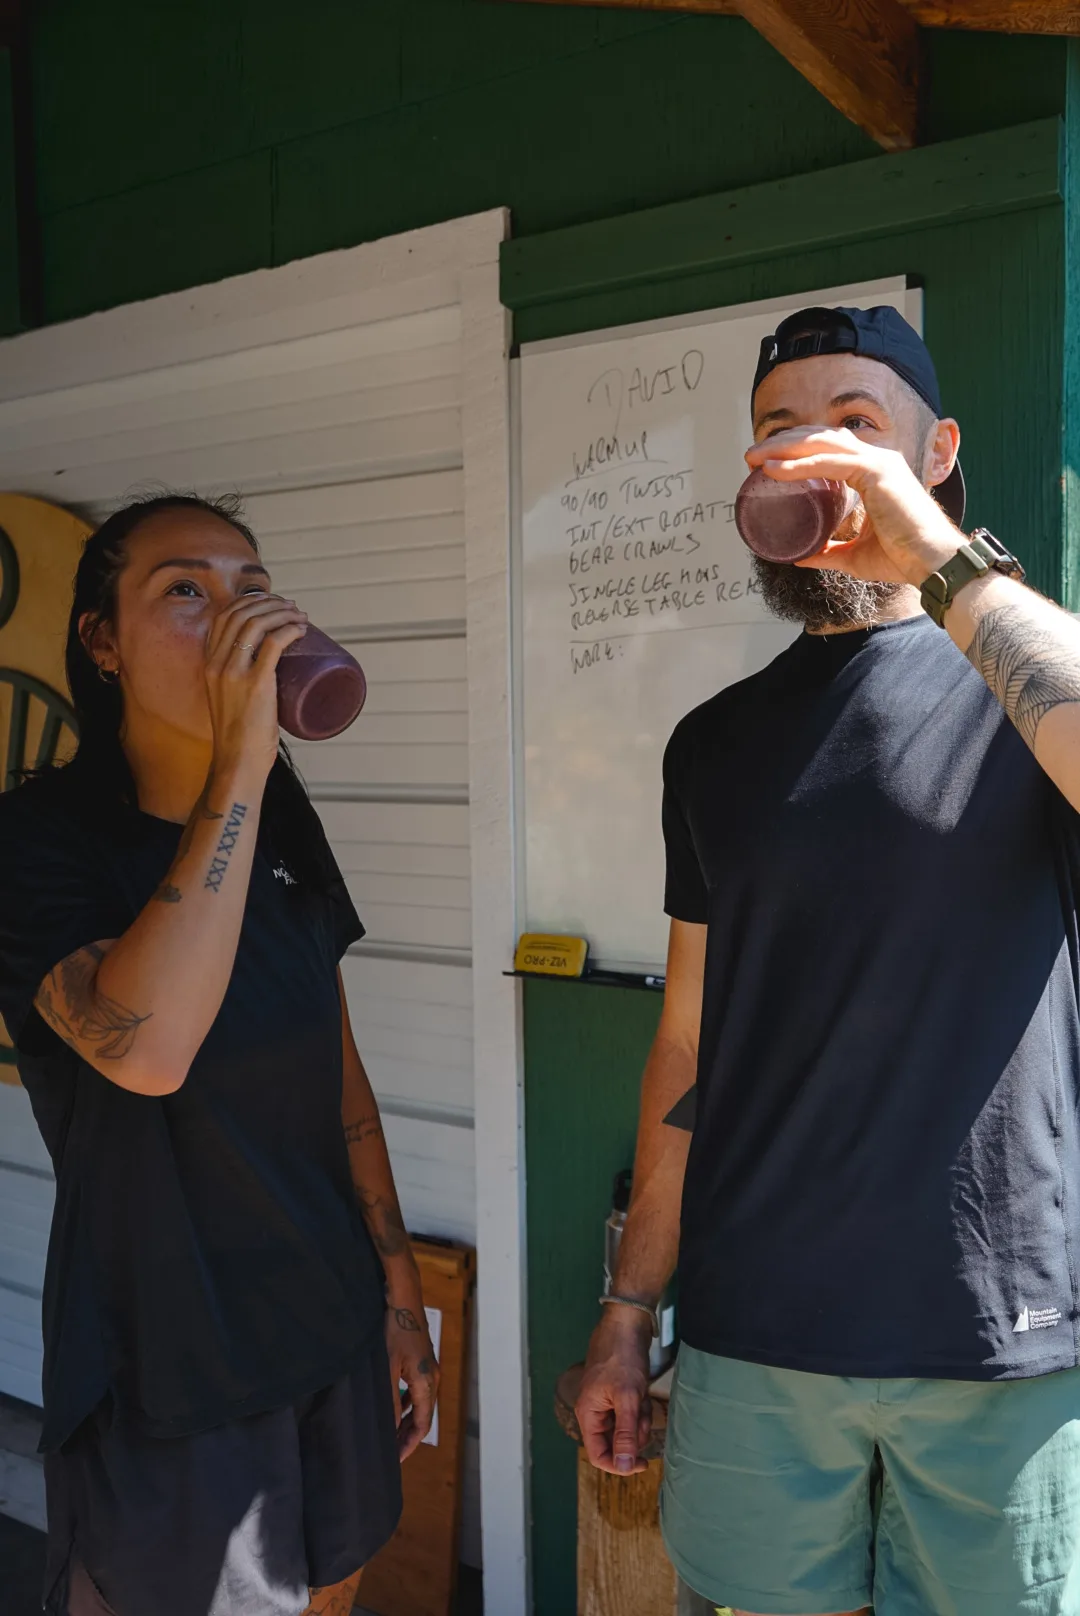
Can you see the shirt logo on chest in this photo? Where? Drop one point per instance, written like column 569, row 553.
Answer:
column 282, row 874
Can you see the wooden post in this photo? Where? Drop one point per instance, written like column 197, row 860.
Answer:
column 621, row 1563
column 622, row 1566
column 416, row 1573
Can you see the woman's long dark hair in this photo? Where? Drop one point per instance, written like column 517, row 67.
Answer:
column 289, row 826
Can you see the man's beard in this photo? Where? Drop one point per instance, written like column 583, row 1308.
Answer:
column 819, row 598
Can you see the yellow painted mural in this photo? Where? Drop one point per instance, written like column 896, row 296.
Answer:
column 39, row 550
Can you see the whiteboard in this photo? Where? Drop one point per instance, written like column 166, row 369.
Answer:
column 634, row 592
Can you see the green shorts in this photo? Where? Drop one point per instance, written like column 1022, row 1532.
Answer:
column 798, row 1494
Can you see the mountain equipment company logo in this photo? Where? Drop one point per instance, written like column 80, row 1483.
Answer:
column 1037, row 1318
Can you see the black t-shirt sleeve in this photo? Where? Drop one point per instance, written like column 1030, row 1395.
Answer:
column 54, row 899
column 346, row 926
column 683, row 1113
column 686, row 896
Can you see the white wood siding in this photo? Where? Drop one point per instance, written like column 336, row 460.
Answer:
column 25, row 1210
column 337, row 413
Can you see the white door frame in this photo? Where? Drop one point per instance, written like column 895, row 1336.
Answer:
column 497, row 1000
column 453, row 262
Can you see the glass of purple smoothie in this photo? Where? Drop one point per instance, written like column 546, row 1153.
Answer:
column 321, row 687
column 790, row 521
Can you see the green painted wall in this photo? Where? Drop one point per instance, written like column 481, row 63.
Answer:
column 584, row 1051
column 9, row 259
column 184, row 140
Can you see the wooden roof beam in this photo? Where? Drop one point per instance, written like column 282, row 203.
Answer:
column 863, row 55
column 985, row 16
column 999, row 16
column 714, row 8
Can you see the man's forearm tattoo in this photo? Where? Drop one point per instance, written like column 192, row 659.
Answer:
column 220, row 862
column 406, row 1318
column 384, row 1223
column 70, row 1003
column 167, row 893
column 368, row 1127
column 1026, row 666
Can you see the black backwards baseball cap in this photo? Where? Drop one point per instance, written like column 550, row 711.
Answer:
column 882, row 334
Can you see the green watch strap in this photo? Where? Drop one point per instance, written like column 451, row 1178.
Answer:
column 972, row 560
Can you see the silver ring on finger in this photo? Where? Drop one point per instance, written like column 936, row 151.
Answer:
column 241, row 647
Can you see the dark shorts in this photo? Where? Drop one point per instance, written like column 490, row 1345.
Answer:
column 237, row 1521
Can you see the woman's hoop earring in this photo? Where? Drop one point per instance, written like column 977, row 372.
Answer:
column 108, row 676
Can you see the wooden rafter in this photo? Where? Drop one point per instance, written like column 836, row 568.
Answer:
column 982, row 16
column 713, row 8
column 863, row 55
column 999, row 16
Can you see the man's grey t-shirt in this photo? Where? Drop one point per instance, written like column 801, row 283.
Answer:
column 884, row 1176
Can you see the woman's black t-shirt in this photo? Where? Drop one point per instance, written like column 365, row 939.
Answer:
column 207, row 1259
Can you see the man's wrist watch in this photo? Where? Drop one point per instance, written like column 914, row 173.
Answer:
column 981, row 554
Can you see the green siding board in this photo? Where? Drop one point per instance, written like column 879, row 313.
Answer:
column 996, row 173
column 612, row 23
column 452, row 45
column 10, row 316
column 302, row 71
column 181, row 84
column 127, row 94
column 397, row 113
column 976, row 82
column 565, row 146
column 584, row 1051
column 160, row 238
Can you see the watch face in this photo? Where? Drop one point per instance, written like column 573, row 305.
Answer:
column 1006, row 562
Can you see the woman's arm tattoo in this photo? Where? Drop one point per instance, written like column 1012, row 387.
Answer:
column 1026, row 666
column 368, row 1127
column 406, row 1318
column 166, row 892
column 69, row 1001
column 229, row 836
column 200, row 811
column 384, row 1223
